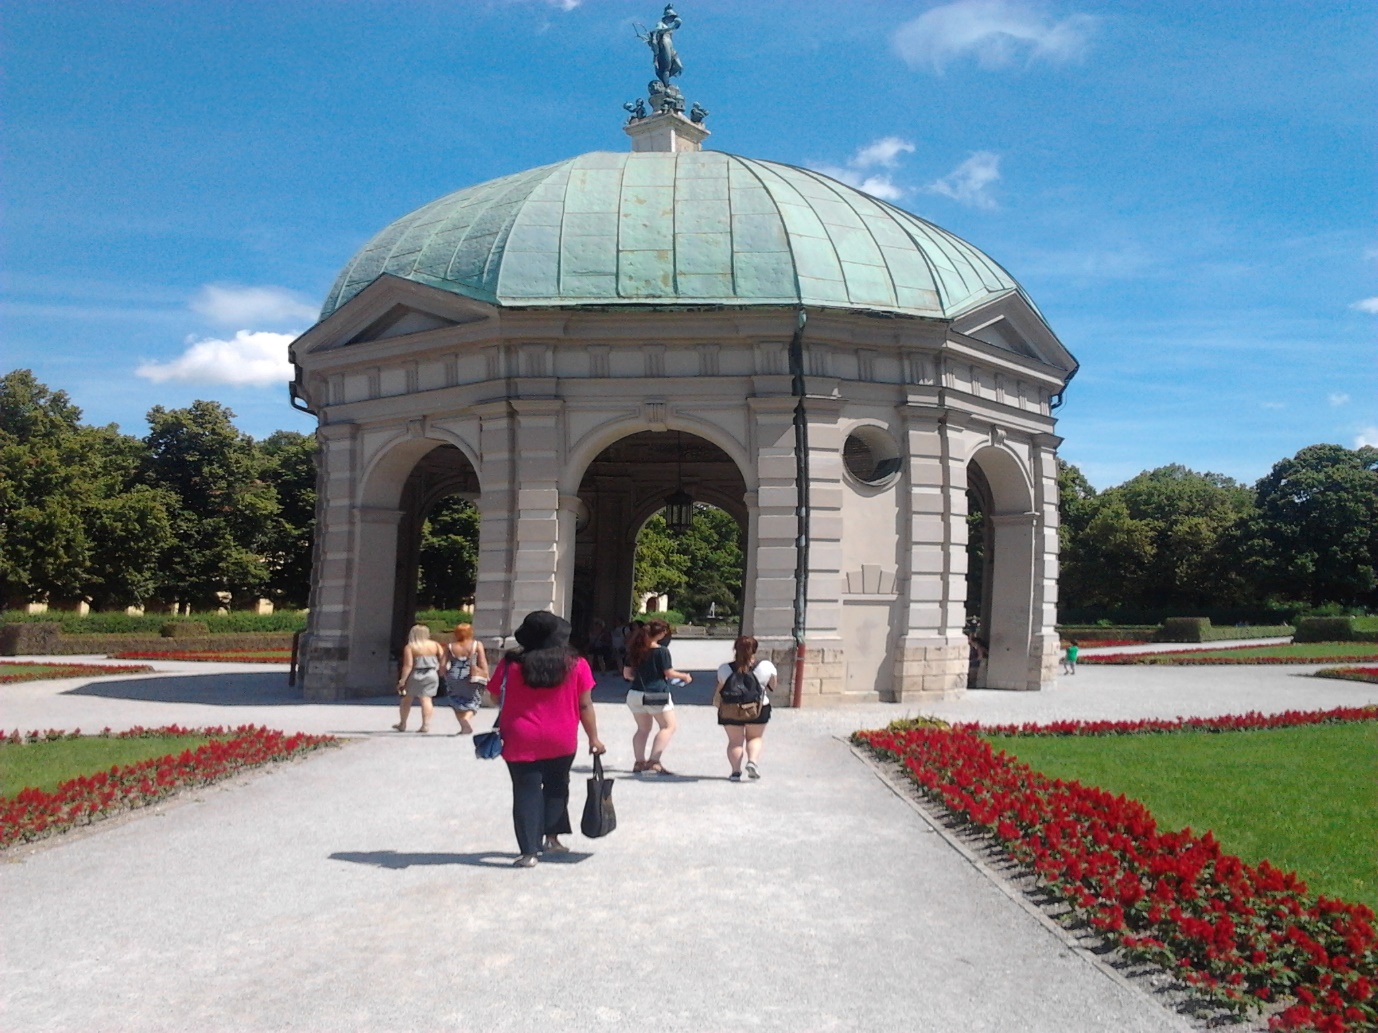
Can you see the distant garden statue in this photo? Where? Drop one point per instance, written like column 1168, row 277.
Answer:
column 661, row 40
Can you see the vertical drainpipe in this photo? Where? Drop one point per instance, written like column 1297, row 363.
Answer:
column 801, row 509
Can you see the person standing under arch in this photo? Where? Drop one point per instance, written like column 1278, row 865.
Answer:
column 423, row 665
column 648, row 669
column 746, row 737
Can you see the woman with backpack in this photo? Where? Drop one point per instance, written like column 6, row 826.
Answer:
column 743, row 701
column 648, row 669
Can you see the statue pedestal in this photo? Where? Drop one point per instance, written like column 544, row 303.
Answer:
column 667, row 131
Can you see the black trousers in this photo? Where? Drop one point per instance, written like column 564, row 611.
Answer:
column 540, row 800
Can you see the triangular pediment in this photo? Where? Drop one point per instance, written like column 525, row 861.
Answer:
column 1013, row 325
column 399, row 321
column 388, row 309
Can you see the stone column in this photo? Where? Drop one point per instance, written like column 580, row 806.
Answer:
column 1011, row 614
column 325, row 651
column 373, row 587
column 825, row 662
column 567, row 523
column 536, row 560
column 932, row 658
column 496, row 514
column 771, row 557
column 1043, row 648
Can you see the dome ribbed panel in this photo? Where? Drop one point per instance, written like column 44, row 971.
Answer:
column 677, row 228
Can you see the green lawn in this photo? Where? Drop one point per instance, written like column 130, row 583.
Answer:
column 1303, row 652
column 1303, row 798
column 43, row 765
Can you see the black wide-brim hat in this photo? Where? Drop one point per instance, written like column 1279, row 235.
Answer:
column 542, row 630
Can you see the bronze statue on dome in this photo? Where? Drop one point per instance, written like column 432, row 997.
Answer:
column 661, row 40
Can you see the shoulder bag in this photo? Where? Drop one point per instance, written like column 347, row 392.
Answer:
column 599, row 816
column 488, row 745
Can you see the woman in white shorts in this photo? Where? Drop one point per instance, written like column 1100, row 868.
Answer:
column 747, row 736
column 648, row 669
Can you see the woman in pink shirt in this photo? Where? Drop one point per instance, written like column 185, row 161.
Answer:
column 547, row 693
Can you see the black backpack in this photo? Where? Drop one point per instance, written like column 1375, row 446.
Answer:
column 740, row 688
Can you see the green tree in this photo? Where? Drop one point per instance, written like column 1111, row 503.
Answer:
column 700, row 569
column 224, row 507
column 449, row 555
column 1315, row 538
column 289, row 467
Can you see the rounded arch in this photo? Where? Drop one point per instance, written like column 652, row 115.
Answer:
column 1011, row 489
column 589, row 447
column 385, row 474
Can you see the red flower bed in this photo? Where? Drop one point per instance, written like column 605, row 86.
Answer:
column 1365, row 674
column 33, row 813
column 65, row 671
column 1239, row 935
column 1193, row 658
column 269, row 656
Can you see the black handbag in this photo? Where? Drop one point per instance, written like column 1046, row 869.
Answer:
column 599, row 816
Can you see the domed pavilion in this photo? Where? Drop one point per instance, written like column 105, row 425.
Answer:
column 577, row 346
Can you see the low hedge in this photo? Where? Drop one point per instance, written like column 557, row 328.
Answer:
column 1089, row 635
column 48, row 640
column 152, row 623
column 1325, row 629
column 1200, row 629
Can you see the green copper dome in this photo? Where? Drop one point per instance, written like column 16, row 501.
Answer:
column 676, row 228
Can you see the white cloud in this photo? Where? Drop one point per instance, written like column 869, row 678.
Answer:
column 230, row 306
column 876, row 185
column 996, row 32
column 967, row 183
column 883, row 152
column 252, row 358
column 1368, row 436
column 1367, row 305
column 1338, row 398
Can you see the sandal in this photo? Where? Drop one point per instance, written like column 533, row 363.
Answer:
column 639, row 767
column 656, row 768
column 424, row 728
column 399, row 727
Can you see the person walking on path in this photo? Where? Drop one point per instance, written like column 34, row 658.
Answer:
column 648, row 669
column 466, row 676
column 1069, row 657
column 547, row 693
column 423, row 665
column 745, row 736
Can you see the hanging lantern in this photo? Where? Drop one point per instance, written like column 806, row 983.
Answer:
column 679, row 511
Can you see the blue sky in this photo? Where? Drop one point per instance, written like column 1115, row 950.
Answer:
column 1186, row 189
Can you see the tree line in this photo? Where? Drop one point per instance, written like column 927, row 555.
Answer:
column 196, row 512
column 193, row 513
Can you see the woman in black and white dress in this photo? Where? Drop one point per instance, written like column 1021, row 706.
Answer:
column 466, row 677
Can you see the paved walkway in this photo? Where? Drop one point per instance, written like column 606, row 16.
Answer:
column 369, row 888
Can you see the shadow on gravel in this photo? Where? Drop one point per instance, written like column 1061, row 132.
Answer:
column 244, row 689
column 486, row 859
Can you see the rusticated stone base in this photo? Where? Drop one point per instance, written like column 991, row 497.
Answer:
column 930, row 669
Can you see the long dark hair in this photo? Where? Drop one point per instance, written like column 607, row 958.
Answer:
column 744, row 650
column 640, row 645
column 545, row 656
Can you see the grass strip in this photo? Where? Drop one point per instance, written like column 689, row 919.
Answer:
column 46, row 765
column 17, row 672
column 1297, row 652
column 1302, row 798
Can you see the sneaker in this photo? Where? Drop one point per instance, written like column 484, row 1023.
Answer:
column 525, row 861
column 752, row 771
column 736, row 776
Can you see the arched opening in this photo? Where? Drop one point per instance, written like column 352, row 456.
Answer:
column 698, row 572
column 623, row 492
column 400, row 492
column 1000, row 574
